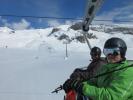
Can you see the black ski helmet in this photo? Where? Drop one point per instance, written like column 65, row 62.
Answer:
column 115, row 42
column 95, row 51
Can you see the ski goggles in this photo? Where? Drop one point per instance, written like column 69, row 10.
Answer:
column 112, row 51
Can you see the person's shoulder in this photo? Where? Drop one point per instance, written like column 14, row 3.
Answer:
column 128, row 70
column 130, row 62
column 103, row 59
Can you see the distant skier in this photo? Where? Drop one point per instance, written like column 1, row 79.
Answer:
column 114, row 80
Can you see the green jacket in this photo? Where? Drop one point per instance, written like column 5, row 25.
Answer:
column 113, row 86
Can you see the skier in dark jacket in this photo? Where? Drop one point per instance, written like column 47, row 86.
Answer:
column 85, row 74
column 92, row 68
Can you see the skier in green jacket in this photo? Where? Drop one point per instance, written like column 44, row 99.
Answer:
column 114, row 80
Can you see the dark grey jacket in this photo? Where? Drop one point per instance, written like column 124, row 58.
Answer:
column 91, row 70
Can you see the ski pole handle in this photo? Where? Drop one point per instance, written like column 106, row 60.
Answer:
column 57, row 89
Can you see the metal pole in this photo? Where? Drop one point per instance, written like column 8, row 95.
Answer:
column 66, row 51
column 87, row 41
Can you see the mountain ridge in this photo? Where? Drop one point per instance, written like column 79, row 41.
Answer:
column 55, row 38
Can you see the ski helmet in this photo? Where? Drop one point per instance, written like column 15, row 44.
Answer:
column 115, row 42
column 95, row 51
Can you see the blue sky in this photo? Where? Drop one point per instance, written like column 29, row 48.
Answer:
column 111, row 9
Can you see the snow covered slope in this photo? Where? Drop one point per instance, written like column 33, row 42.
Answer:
column 32, row 62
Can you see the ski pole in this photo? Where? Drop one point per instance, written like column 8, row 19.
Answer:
column 57, row 89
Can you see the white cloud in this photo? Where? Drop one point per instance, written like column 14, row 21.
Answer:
column 53, row 23
column 3, row 20
column 69, row 22
column 123, row 13
column 23, row 24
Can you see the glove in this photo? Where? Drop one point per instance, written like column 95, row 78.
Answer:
column 71, row 84
column 76, row 85
column 67, row 85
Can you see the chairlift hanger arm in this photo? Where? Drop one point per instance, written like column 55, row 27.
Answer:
column 91, row 9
